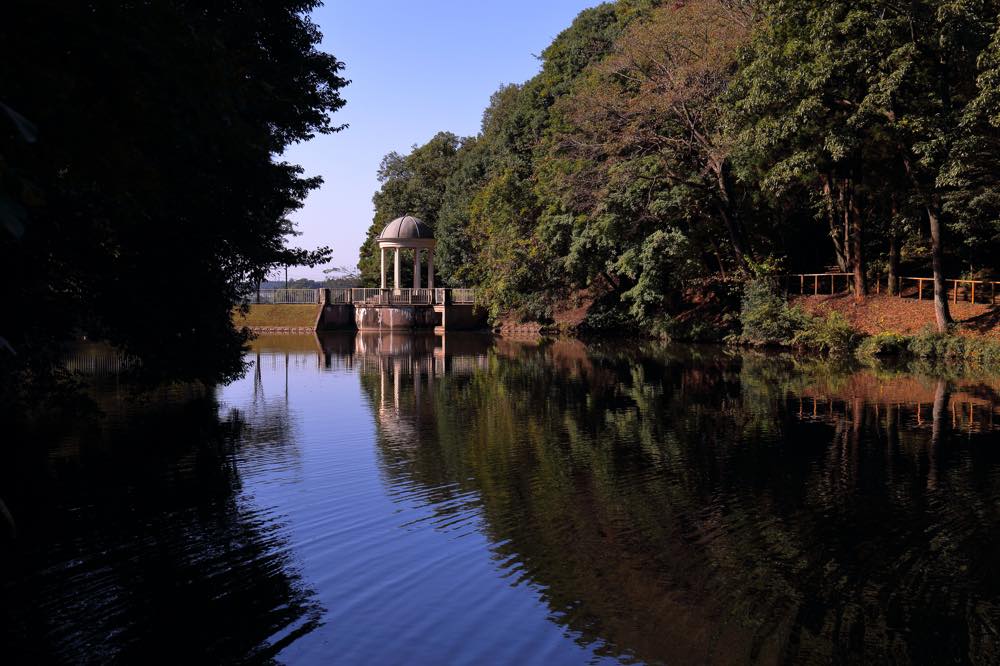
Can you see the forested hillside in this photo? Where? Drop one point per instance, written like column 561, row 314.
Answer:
column 667, row 151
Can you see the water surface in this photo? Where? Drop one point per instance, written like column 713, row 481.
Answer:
column 399, row 499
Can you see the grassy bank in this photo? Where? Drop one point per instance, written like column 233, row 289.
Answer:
column 278, row 316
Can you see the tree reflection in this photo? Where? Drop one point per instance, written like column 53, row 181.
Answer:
column 135, row 544
column 677, row 504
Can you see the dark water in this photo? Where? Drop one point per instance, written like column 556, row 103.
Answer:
column 389, row 500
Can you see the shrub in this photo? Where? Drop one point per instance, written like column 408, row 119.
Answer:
column 833, row 334
column 982, row 351
column 607, row 315
column 882, row 345
column 535, row 307
column 766, row 316
column 931, row 345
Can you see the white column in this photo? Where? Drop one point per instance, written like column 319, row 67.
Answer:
column 381, row 252
column 397, row 369
column 395, row 277
column 430, row 269
column 381, row 379
column 416, row 268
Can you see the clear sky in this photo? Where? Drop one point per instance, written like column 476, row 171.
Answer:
column 416, row 67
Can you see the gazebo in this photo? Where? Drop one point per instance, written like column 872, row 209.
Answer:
column 403, row 233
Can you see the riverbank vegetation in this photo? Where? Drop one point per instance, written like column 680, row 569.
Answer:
column 767, row 319
column 669, row 153
column 142, row 192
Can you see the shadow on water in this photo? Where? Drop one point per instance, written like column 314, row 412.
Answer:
column 135, row 543
column 678, row 504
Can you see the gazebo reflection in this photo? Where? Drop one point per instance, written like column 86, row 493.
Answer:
column 406, row 367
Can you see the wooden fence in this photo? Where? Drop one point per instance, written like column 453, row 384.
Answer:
column 99, row 360
column 972, row 291
column 817, row 283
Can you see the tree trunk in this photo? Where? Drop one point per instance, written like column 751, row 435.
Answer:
column 939, row 414
column 845, row 216
column 939, row 428
column 831, row 219
column 718, row 257
column 892, row 426
column 857, row 256
column 942, row 315
column 893, row 264
column 730, row 215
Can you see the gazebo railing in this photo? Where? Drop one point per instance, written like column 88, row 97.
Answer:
column 458, row 296
column 463, row 296
column 377, row 296
column 340, row 295
column 373, row 296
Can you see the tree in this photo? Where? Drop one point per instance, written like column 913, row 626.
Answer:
column 867, row 101
column 637, row 161
column 153, row 197
column 665, row 147
column 799, row 118
column 412, row 184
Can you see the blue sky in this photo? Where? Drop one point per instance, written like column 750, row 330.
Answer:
column 416, row 68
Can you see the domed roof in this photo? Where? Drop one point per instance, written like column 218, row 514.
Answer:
column 406, row 228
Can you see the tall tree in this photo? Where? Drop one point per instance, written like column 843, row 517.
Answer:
column 150, row 195
column 637, row 159
column 940, row 113
column 412, row 184
column 799, row 116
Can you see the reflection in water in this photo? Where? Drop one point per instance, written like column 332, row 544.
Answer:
column 678, row 505
column 481, row 500
column 136, row 543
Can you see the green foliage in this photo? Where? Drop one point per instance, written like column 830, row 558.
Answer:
column 150, row 195
column 832, row 334
column 605, row 316
column 766, row 316
column 882, row 345
column 933, row 346
column 933, row 349
column 412, row 184
column 657, row 268
column 667, row 146
column 768, row 319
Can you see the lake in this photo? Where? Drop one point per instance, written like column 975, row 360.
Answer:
column 367, row 499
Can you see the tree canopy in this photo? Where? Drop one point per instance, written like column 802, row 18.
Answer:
column 664, row 145
column 142, row 189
